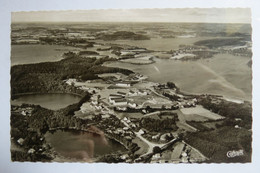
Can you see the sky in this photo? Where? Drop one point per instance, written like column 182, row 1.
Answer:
column 196, row 15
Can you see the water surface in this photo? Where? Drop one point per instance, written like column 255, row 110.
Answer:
column 49, row 101
column 82, row 146
column 28, row 54
column 224, row 74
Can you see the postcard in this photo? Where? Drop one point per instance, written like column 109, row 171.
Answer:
column 132, row 86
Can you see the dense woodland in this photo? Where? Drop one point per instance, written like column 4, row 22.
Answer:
column 219, row 42
column 231, row 111
column 48, row 76
column 157, row 125
column 123, row 35
column 215, row 143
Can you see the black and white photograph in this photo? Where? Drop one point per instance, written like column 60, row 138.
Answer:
column 169, row 85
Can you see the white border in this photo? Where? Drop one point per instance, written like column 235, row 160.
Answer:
column 8, row 6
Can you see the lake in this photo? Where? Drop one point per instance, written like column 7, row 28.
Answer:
column 28, row 54
column 158, row 44
column 81, row 146
column 49, row 101
column 224, row 74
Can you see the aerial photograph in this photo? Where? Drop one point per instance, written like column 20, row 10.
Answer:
column 131, row 86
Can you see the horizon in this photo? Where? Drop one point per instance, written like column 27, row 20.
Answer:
column 117, row 22
column 173, row 15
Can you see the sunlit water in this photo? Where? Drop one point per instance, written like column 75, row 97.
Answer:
column 224, row 74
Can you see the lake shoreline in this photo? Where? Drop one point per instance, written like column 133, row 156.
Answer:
column 57, row 157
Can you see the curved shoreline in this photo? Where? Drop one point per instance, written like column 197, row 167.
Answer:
column 86, row 130
column 59, row 158
column 34, row 93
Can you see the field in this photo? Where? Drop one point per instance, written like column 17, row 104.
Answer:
column 143, row 146
column 139, row 60
column 175, row 153
column 199, row 110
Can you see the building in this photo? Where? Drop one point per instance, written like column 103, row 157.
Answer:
column 132, row 104
column 105, row 116
column 123, row 84
column 142, row 92
column 119, row 102
column 121, row 93
column 141, row 131
column 113, row 96
column 20, row 141
column 132, row 93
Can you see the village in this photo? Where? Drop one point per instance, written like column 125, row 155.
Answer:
column 150, row 119
column 133, row 99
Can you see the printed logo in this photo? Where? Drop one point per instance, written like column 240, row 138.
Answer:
column 231, row 154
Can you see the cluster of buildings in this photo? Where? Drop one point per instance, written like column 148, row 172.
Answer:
column 124, row 132
column 181, row 155
column 121, row 98
column 27, row 111
column 245, row 50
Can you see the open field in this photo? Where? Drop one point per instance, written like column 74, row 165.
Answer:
column 175, row 153
column 143, row 146
column 145, row 59
column 199, row 110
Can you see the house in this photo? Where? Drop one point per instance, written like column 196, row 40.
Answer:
column 23, row 113
column 133, row 125
column 121, row 108
column 20, row 141
column 141, row 132
column 121, row 93
column 156, row 137
column 105, row 116
column 132, row 104
column 119, row 130
column 156, row 156
column 123, row 84
column 142, row 92
column 163, row 137
column 125, row 156
column 132, row 93
column 113, row 96
column 119, row 102
column 31, row 151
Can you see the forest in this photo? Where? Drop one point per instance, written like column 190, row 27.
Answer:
column 157, row 125
column 49, row 76
column 231, row 111
column 215, row 144
column 219, row 42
